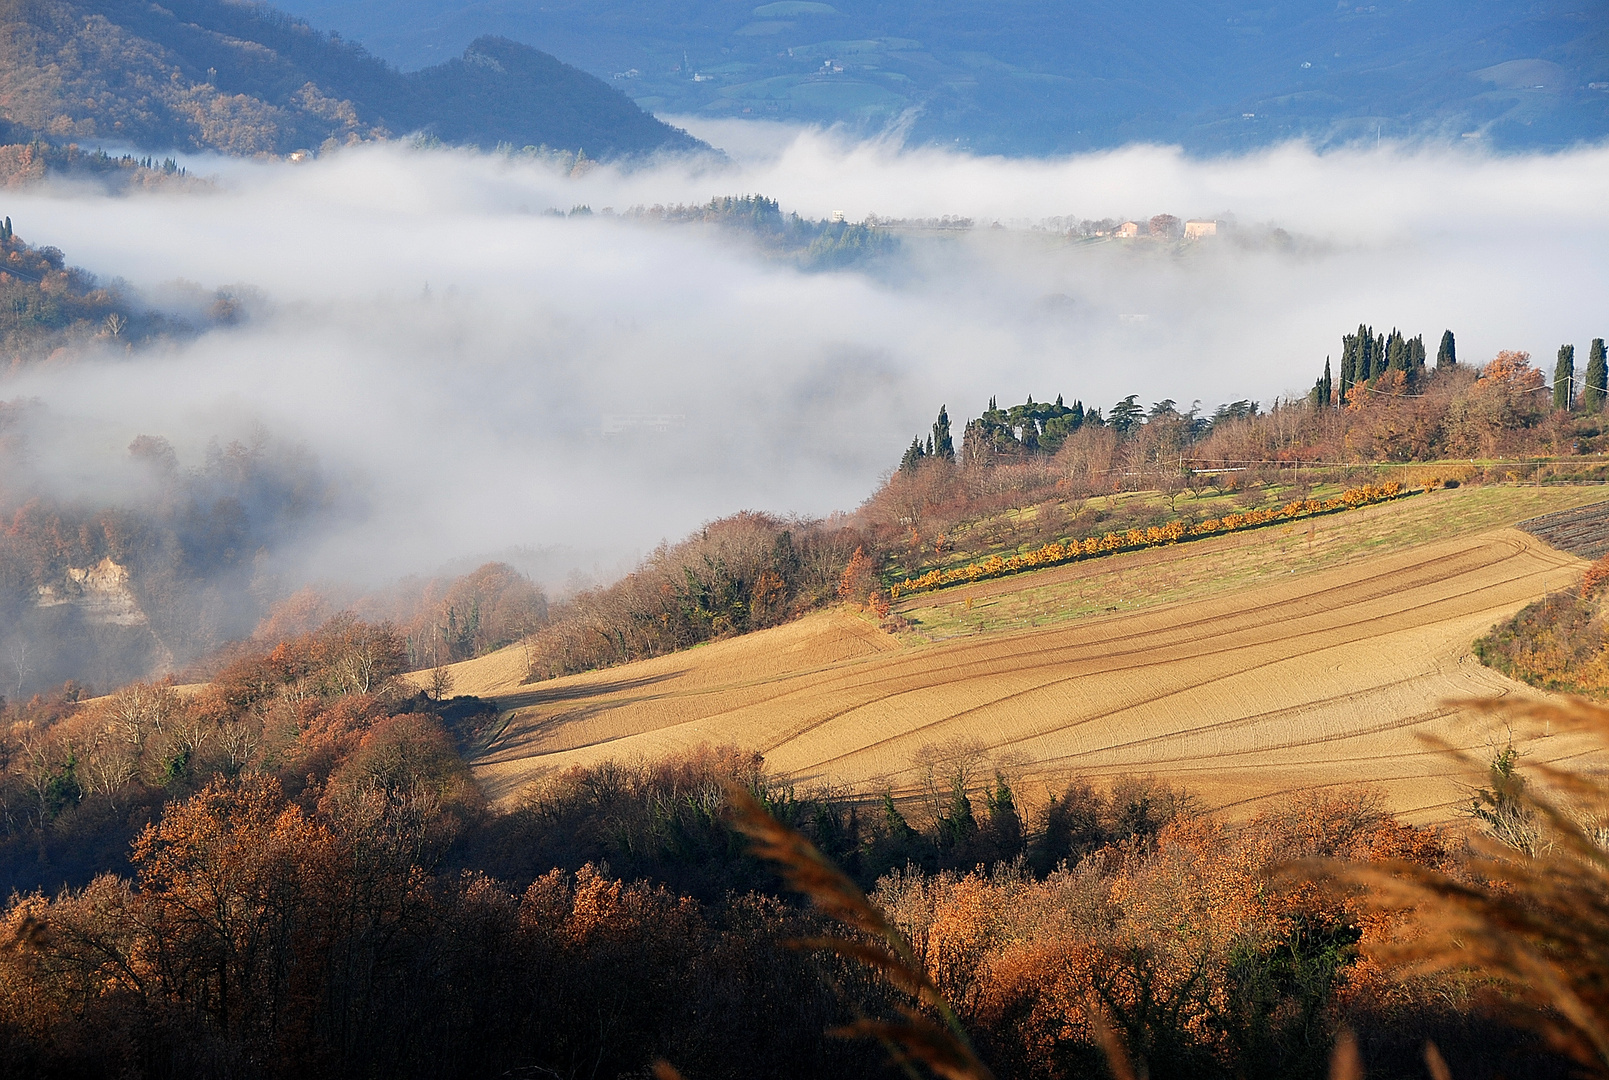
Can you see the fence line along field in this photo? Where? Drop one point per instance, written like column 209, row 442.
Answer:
column 1322, row 669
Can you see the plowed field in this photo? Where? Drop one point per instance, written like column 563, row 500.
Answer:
column 1292, row 682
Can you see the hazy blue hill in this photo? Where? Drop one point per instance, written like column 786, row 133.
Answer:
column 1027, row 76
column 249, row 79
column 485, row 98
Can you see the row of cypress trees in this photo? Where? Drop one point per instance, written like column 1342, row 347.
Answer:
column 1594, row 384
column 1366, row 356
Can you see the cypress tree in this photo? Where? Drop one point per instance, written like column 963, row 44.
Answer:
column 942, row 446
column 1447, row 355
column 1396, row 351
column 1377, row 367
column 1596, row 390
column 1321, row 389
column 1349, row 350
column 1563, row 377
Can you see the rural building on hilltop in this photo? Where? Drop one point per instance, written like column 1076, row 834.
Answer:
column 1128, row 230
column 1195, row 230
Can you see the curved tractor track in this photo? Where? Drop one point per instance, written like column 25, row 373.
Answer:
column 1300, row 682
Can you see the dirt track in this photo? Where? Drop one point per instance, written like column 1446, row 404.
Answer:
column 1318, row 679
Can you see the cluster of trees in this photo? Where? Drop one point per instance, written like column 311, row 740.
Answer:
column 290, row 872
column 46, row 305
column 1369, row 360
column 740, row 573
column 1029, row 428
column 1395, row 365
column 812, row 245
column 442, row 620
column 29, row 162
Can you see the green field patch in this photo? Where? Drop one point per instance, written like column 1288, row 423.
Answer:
column 1188, row 572
column 785, row 9
column 779, row 88
column 842, row 93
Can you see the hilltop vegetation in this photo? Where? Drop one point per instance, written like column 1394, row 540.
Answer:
column 811, row 245
column 251, row 80
column 1036, row 474
column 45, row 306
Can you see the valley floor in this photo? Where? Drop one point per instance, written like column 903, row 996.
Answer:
column 1250, row 668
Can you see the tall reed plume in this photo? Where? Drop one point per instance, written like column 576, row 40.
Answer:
column 1528, row 916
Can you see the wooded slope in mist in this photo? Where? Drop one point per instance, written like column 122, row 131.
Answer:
column 249, row 79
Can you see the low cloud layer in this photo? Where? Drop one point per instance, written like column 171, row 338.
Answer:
column 475, row 376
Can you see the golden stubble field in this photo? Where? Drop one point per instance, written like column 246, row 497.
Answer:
column 1246, row 668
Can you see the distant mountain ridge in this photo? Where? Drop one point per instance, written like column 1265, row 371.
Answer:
column 1052, row 76
column 249, row 79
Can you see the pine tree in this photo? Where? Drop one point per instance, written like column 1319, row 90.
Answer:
column 1447, row 355
column 1596, row 390
column 1563, row 377
column 1126, row 415
column 943, row 447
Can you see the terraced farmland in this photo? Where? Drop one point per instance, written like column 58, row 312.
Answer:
column 1275, row 682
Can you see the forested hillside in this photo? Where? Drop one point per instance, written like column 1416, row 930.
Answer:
column 248, row 79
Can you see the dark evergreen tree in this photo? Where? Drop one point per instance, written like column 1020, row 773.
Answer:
column 1596, row 390
column 913, row 457
column 1396, row 351
column 1321, row 389
column 1349, row 356
column 1447, row 355
column 943, row 447
column 1416, row 355
column 1564, row 377
column 1126, row 415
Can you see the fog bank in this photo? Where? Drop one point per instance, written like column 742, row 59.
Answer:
column 476, row 376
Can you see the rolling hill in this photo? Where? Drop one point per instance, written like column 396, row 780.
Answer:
column 1015, row 77
column 248, row 79
column 1241, row 667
